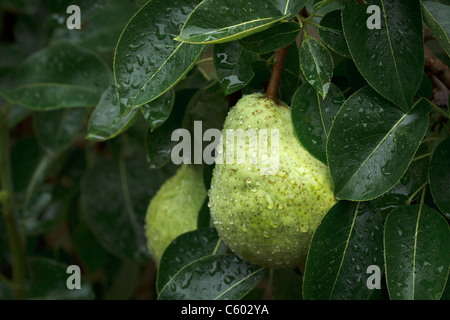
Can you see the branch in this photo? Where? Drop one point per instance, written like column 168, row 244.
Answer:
column 437, row 67
column 277, row 70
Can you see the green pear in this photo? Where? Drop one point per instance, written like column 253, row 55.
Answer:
column 268, row 217
column 174, row 209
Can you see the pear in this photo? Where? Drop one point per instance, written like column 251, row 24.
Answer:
column 174, row 209
column 268, row 216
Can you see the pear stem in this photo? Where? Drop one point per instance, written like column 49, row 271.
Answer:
column 277, row 70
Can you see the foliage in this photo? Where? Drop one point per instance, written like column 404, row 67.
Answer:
column 85, row 142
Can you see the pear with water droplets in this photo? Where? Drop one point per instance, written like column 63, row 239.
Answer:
column 174, row 209
column 267, row 210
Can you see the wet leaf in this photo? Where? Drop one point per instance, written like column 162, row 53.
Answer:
column 312, row 117
column 214, row 21
column 372, row 143
column 148, row 61
column 157, row 111
column 233, row 65
column 159, row 143
column 317, row 64
column 276, row 37
column 215, row 277
column 60, row 76
column 186, row 248
column 416, row 244
column 435, row 15
column 106, row 121
column 390, row 58
column 440, row 176
column 332, row 34
column 348, row 241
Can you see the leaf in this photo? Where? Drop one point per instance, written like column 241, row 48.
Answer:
column 59, row 76
column 114, row 199
column 426, row 87
column 348, row 241
column 100, row 35
column 233, row 65
column 416, row 244
column 371, row 144
column 440, row 176
column 186, row 248
column 276, row 37
column 291, row 76
column 215, row 277
column 106, row 121
column 48, row 280
column 57, row 129
column 312, row 117
column 415, row 176
column 148, row 62
column 390, row 58
column 332, row 34
column 317, row 64
column 159, row 142
column 435, row 15
column 157, row 111
column 214, row 21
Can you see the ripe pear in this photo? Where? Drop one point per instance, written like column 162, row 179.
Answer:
column 174, row 209
column 268, row 218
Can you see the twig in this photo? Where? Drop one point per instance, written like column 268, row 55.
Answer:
column 277, row 70
column 437, row 67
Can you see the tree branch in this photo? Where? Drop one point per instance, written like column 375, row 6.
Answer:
column 277, row 70
column 437, row 67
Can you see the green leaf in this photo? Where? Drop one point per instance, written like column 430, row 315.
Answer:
column 348, row 241
column 106, row 122
column 276, row 37
column 159, row 143
column 48, row 280
column 435, row 15
column 415, row 176
column 57, row 129
column 291, row 77
column 114, row 198
column 390, row 58
column 440, row 176
column 214, row 21
column 215, row 277
column 332, row 34
column 316, row 63
column 186, row 248
column 148, row 61
column 312, row 117
column 416, row 244
column 426, row 87
column 371, row 144
column 233, row 65
column 157, row 111
column 100, row 35
column 59, row 76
